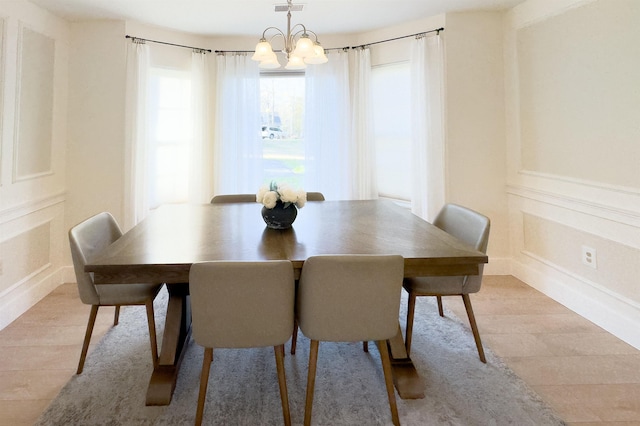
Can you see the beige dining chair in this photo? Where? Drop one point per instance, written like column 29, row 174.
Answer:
column 315, row 196
column 87, row 240
column 350, row 298
column 472, row 228
column 242, row 305
column 311, row 196
column 233, row 198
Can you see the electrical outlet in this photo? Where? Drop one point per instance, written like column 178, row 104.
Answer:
column 589, row 257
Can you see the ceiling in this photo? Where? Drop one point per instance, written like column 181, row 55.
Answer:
column 251, row 17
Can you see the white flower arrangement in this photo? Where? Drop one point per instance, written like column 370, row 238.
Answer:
column 269, row 195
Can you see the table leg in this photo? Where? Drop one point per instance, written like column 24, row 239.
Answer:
column 405, row 376
column 176, row 335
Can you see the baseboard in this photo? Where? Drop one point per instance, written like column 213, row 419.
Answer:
column 612, row 314
column 19, row 300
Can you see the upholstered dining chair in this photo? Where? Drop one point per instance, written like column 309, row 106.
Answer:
column 242, row 305
column 472, row 228
column 233, row 198
column 88, row 239
column 315, row 196
column 350, row 298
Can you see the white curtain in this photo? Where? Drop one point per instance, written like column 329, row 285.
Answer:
column 363, row 179
column 200, row 153
column 328, row 154
column 136, row 204
column 428, row 144
column 238, row 142
column 339, row 148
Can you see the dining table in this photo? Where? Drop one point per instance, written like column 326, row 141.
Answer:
column 163, row 246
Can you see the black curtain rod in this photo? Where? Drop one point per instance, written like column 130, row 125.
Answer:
column 352, row 47
column 437, row 31
column 169, row 44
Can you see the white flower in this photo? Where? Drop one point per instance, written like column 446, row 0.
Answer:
column 288, row 194
column 260, row 195
column 270, row 194
column 302, row 199
column 270, row 199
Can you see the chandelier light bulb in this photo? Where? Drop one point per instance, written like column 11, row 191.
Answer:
column 304, row 47
column 270, row 62
column 263, row 51
column 295, row 63
column 318, row 56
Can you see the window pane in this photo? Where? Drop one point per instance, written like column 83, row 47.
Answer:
column 391, row 98
column 282, row 113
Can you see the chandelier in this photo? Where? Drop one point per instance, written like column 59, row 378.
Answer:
column 298, row 47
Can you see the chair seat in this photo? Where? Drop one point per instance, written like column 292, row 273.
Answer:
column 434, row 286
column 126, row 294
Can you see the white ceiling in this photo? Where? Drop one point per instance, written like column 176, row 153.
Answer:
column 251, row 17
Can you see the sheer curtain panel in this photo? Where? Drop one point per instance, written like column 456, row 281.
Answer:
column 364, row 184
column 328, row 154
column 136, row 205
column 238, row 143
column 428, row 144
column 200, row 155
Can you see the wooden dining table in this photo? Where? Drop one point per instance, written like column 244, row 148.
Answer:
column 162, row 248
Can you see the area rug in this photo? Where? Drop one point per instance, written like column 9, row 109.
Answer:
column 243, row 387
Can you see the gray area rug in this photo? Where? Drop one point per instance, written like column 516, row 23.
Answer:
column 243, row 387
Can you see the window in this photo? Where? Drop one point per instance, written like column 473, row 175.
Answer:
column 282, row 114
column 391, row 112
column 170, row 133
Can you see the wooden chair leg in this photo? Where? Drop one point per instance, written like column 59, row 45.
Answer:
column 294, row 337
column 311, row 381
column 116, row 316
column 87, row 337
column 204, row 381
column 365, row 346
column 474, row 326
column 411, row 307
column 388, row 380
column 440, row 310
column 152, row 332
column 282, row 382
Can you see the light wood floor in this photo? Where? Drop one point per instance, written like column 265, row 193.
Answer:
column 588, row 376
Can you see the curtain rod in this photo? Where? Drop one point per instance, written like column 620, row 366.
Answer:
column 437, row 31
column 169, row 44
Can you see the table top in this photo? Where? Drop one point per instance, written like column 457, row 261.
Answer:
column 162, row 247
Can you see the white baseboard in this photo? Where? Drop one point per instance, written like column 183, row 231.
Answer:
column 19, row 300
column 612, row 314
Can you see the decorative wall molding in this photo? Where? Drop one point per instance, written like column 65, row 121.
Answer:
column 611, row 313
column 586, row 206
column 583, row 280
column 33, row 134
column 21, row 298
column 31, row 206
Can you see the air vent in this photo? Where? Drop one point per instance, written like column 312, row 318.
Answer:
column 285, row 7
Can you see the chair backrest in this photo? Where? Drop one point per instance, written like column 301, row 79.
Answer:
column 234, row 198
column 348, row 298
column 242, row 304
column 469, row 226
column 88, row 239
column 315, row 196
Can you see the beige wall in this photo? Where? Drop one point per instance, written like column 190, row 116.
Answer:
column 32, row 156
column 572, row 129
